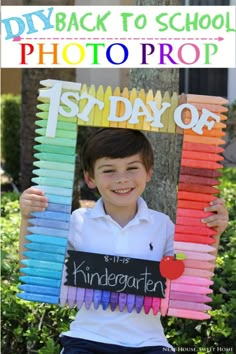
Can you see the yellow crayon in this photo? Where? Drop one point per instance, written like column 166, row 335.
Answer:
column 97, row 110
column 82, row 103
column 111, row 123
column 106, row 109
column 132, row 98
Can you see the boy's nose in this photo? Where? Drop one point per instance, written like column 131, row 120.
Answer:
column 122, row 177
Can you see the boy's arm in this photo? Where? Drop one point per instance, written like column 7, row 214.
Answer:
column 218, row 221
column 31, row 200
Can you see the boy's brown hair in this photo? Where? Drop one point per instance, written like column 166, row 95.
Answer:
column 116, row 143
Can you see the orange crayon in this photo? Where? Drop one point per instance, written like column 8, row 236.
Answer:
column 201, row 156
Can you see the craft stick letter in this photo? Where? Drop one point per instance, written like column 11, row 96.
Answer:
column 87, row 109
column 69, row 103
column 178, row 119
column 203, row 121
column 158, row 113
column 113, row 109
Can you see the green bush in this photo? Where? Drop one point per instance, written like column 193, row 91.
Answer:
column 29, row 327
column 10, row 112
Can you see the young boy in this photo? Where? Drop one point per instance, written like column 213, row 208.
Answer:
column 118, row 162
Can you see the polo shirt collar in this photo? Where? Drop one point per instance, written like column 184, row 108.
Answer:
column 142, row 214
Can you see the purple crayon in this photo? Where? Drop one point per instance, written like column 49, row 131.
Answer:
column 64, row 288
column 80, row 297
column 130, row 302
column 139, row 303
column 71, row 296
column 114, row 299
column 105, row 299
column 156, row 303
column 97, row 298
column 88, row 298
column 122, row 301
column 147, row 304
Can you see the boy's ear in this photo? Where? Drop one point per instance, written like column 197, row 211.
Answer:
column 149, row 175
column 89, row 180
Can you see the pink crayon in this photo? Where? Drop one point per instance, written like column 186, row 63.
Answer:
column 156, row 303
column 190, row 288
column 122, row 301
column 88, row 298
column 147, row 304
column 184, row 279
column 177, row 304
column 189, row 246
column 165, row 300
column 199, row 256
column 198, row 272
column 196, row 315
column 130, row 302
column 80, row 297
column 71, row 296
column 191, row 263
column 178, row 295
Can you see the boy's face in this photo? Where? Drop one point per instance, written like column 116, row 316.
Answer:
column 120, row 181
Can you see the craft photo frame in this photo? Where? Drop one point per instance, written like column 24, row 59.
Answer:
column 65, row 105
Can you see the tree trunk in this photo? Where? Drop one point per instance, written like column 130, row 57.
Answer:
column 160, row 193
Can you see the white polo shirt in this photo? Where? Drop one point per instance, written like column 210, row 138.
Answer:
column 149, row 235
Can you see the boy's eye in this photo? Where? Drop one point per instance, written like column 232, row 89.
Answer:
column 133, row 168
column 108, row 171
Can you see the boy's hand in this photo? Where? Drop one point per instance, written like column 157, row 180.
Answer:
column 219, row 220
column 32, row 199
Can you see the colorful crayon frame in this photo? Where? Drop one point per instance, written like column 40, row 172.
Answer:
column 60, row 112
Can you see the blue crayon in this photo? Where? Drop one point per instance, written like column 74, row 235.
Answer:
column 65, row 192
column 88, row 298
column 49, row 181
column 52, row 215
column 71, row 296
column 47, row 240
column 44, row 256
column 45, row 248
column 97, row 298
column 43, row 273
column 130, row 302
column 49, row 223
column 122, row 301
column 58, row 199
column 35, row 263
column 48, row 231
column 114, row 299
column 39, row 298
column 59, row 207
column 139, row 303
column 37, row 289
column 41, row 172
column 80, row 297
column 28, row 279
column 105, row 299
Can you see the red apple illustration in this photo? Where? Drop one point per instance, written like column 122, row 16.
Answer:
column 172, row 267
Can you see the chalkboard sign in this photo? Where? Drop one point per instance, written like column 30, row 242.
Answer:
column 114, row 273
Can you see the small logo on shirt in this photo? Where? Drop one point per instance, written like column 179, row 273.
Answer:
column 151, row 246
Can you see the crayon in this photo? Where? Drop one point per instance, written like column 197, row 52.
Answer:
column 59, row 207
column 42, row 264
column 192, row 281
column 200, row 164
column 45, row 248
column 197, row 273
column 58, row 199
column 39, row 298
column 188, row 221
column 202, row 148
column 196, row 315
column 43, row 290
column 49, row 223
column 189, row 305
column 130, row 302
column 60, row 118
column 193, row 213
column 54, row 283
column 88, row 298
column 46, row 156
column 197, row 188
column 197, row 298
column 207, row 133
column 71, row 296
column 56, row 141
column 192, row 263
column 189, row 204
column 97, row 110
column 201, row 156
column 216, row 108
column 52, row 215
column 55, row 165
column 67, row 134
column 44, row 256
column 165, row 300
column 80, row 297
column 199, row 256
column 56, row 182
column 139, row 300
column 192, row 98
column 122, row 301
column 44, row 273
column 196, row 196
column 105, row 299
column 156, row 303
column 114, row 299
column 192, row 246
column 43, row 172
column 194, row 289
column 203, row 140
column 200, row 172
column 106, row 109
column 66, row 192
column 60, row 125
column 194, row 238
column 48, row 231
column 198, row 180
column 64, row 288
column 97, row 298
column 195, row 230
column 147, row 304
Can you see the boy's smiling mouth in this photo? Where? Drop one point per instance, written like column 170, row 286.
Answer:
column 122, row 191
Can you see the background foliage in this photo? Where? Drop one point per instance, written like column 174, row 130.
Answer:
column 34, row 328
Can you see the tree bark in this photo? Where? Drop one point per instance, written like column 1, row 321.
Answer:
column 160, row 193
